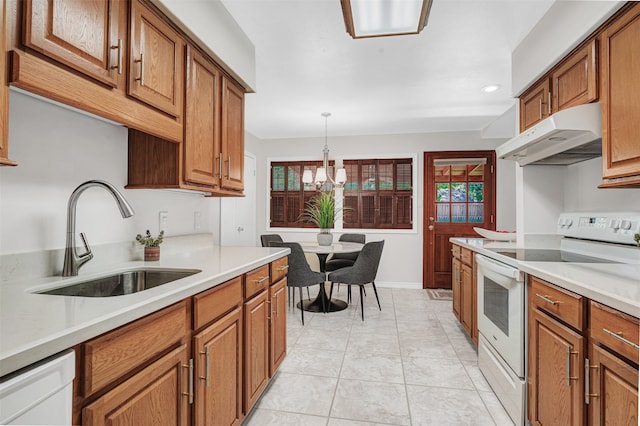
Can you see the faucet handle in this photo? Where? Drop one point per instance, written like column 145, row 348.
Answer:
column 86, row 246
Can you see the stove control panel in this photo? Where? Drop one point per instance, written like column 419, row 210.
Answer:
column 614, row 227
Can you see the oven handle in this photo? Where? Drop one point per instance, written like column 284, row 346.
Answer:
column 499, row 268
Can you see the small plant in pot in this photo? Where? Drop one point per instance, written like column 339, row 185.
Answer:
column 321, row 211
column 151, row 245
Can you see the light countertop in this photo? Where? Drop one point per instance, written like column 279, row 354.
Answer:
column 613, row 284
column 35, row 326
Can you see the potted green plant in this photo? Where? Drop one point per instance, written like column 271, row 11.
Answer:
column 321, row 211
column 151, row 245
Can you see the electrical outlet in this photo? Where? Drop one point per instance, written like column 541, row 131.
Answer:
column 163, row 217
column 197, row 221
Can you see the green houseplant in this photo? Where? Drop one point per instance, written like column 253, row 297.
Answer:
column 321, row 211
column 151, row 245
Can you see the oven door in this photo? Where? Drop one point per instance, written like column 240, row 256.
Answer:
column 501, row 292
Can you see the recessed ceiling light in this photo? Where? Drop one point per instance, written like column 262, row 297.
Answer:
column 490, row 88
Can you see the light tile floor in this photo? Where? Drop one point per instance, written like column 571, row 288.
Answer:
column 409, row 364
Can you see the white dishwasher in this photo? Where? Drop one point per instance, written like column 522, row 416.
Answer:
column 41, row 394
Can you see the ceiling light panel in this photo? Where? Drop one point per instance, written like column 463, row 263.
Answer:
column 376, row 18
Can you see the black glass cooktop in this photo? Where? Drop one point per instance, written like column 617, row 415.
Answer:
column 544, row 255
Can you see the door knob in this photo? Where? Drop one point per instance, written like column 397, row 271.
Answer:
column 430, row 227
column 240, row 229
column 431, row 219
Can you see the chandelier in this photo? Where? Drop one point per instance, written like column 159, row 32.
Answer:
column 321, row 172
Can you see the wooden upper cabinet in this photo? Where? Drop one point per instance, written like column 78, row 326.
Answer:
column 232, row 136
column 4, row 92
column 202, row 121
column 575, row 81
column 620, row 83
column 86, row 35
column 535, row 105
column 156, row 61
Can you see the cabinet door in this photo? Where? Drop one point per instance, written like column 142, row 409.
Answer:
column 278, row 326
column 256, row 348
column 232, row 136
column 456, row 276
column 620, row 83
column 202, row 120
column 4, row 92
column 535, row 105
column 86, row 35
column 556, row 364
column 218, row 371
column 156, row 61
column 157, row 395
column 612, row 391
column 575, row 81
column 467, row 309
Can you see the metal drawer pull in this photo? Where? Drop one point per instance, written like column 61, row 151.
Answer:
column 546, row 299
column 283, row 268
column 206, row 366
column 569, row 378
column 261, row 280
column 118, row 66
column 141, row 61
column 190, row 390
column 619, row 337
column 270, row 314
column 229, row 167
column 587, row 381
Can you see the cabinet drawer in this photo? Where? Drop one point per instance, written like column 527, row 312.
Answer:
column 279, row 269
column 567, row 306
column 256, row 281
column 466, row 256
column 455, row 250
column 113, row 355
column 615, row 330
column 213, row 303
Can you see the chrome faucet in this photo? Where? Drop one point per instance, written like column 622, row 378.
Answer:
column 72, row 260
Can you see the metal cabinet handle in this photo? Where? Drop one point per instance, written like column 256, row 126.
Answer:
column 540, row 113
column 261, row 280
column 618, row 336
column 283, row 268
column 229, row 167
column 587, row 380
column 189, row 393
column 206, row 366
column 549, row 103
column 546, row 299
column 220, row 168
column 569, row 353
column 270, row 312
column 141, row 61
column 118, row 66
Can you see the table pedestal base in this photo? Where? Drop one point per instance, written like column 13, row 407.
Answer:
column 315, row 305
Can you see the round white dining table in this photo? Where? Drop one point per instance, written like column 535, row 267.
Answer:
column 322, row 302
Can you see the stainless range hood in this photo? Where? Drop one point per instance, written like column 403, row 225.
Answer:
column 567, row 137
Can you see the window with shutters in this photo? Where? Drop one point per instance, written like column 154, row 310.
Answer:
column 379, row 194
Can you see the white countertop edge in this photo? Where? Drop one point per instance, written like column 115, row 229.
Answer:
column 13, row 358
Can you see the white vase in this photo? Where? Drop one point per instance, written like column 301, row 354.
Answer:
column 325, row 238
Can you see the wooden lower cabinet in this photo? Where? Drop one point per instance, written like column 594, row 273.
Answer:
column 218, row 372
column 256, row 347
column 464, row 288
column 157, row 395
column 456, row 277
column 469, row 303
column 556, row 379
column 278, row 325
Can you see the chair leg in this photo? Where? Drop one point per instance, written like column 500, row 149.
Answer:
column 308, row 294
column 376, row 292
column 349, row 294
column 301, row 306
column 362, row 301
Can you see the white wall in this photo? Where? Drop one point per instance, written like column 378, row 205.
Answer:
column 57, row 149
column 402, row 258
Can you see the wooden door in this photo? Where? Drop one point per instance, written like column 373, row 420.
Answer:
column 613, row 389
column 556, row 371
column 157, row 395
column 86, row 35
column 278, row 326
column 202, row 121
column 459, row 194
column 232, row 136
column 467, row 309
column 156, row 61
column 535, row 105
column 218, row 372
column 575, row 81
column 256, row 348
column 456, row 278
column 620, row 83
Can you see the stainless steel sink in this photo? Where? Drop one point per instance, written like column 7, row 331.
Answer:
column 126, row 282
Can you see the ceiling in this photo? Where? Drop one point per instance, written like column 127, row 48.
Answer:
column 306, row 64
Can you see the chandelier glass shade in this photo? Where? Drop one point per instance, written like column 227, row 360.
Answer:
column 322, row 174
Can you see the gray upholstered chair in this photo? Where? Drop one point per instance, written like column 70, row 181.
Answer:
column 342, row 260
column 267, row 239
column 362, row 272
column 300, row 273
